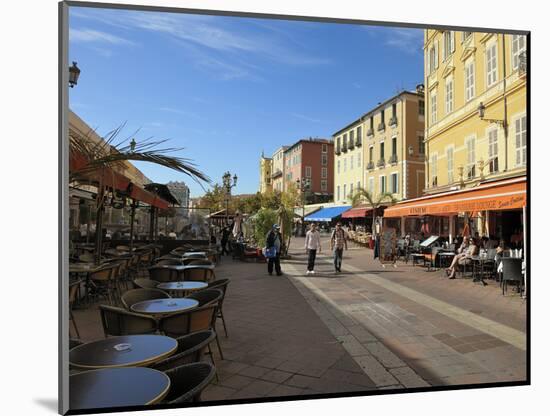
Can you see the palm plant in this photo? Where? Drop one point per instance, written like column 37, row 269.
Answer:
column 362, row 195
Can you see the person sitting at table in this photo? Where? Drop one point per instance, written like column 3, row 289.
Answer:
column 467, row 250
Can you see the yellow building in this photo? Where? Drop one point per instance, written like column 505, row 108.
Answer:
column 265, row 174
column 383, row 150
column 463, row 71
column 476, row 137
column 278, row 169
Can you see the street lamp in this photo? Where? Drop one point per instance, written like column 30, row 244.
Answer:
column 481, row 113
column 228, row 184
column 303, row 187
column 74, row 73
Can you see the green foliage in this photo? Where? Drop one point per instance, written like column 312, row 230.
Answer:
column 361, row 196
column 263, row 221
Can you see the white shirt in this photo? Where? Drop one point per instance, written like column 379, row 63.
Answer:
column 313, row 240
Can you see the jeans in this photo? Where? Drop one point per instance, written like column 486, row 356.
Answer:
column 311, row 259
column 338, row 253
column 274, row 261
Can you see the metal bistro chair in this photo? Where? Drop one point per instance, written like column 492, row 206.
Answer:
column 162, row 274
column 199, row 274
column 401, row 250
column 221, row 285
column 118, row 321
column 190, row 349
column 134, row 296
column 188, row 381
column 511, row 271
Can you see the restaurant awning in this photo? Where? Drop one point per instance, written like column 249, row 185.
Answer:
column 498, row 195
column 109, row 177
column 140, row 194
column 327, row 214
column 307, row 211
column 359, row 212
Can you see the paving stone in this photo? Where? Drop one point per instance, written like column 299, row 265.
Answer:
column 236, row 382
column 299, row 380
column 276, row 376
column 217, row 392
column 253, row 371
column 387, row 358
column 376, row 371
column 408, row 378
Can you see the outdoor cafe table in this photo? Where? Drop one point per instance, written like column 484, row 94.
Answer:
column 122, row 351
column 445, row 254
column 117, row 387
column 197, row 254
column 179, row 268
column 185, row 286
column 164, row 306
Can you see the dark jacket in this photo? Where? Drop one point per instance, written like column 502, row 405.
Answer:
column 271, row 237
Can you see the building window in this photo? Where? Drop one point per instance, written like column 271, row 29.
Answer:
column 345, row 164
column 324, row 148
column 371, row 153
column 394, row 188
column 382, row 184
column 324, row 186
column 471, row 158
column 338, row 166
column 359, row 135
column 324, row 173
column 372, row 123
column 308, row 171
column 449, row 87
column 394, row 110
column 345, row 196
column 450, row 165
column 469, row 77
column 521, row 141
column 338, row 144
column 421, row 109
column 382, row 150
column 371, row 186
column 432, row 58
column 493, row 150
column 324, row 159
column 518, row 47
column 338, row 192
column 433, row 100
column 358, row 184
column 351, row 138
column 466, row 35
column 359, row 159
column 491, row 64
column 351, row 189
column 434, row 169
column 448, row 44
column 421, row 145
column 394, row 146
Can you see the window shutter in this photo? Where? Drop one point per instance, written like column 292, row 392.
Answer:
column 436, row 54
column 452, row 41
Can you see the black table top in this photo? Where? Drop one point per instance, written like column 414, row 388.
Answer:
column 123, row 351
column 164, row 306
column 116, row 387
column 184, row 286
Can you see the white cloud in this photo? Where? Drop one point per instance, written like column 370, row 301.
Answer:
column 407, row 40
column 93, row 36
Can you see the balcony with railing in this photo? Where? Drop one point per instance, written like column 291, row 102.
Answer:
column 393, row 122
column 345, row 148
column 393, row 159
column 370, row 132
column 358, row 142
column 370, row 165
column 277, row 173
column 337, row 150
column 381, row 163
column 351, row 144
column 381, row 126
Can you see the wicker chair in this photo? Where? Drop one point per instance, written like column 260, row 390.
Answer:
column 221, row 285
column 191, row 349
column 134, row 296
column 187, row 322
column 203, row 262
column 206, row 297
column 73, row 291
column 73, row 342
column 162, row 274
column 104, row 282
column 169, row 262
column 143, row 283
column 199, row 274
column 119, row 321
column 188, row 381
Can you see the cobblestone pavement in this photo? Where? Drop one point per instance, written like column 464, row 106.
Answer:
column 364, row 329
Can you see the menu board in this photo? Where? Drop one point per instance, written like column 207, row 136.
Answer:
column 388, row 245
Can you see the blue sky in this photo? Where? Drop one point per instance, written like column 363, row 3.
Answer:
column 228, row 88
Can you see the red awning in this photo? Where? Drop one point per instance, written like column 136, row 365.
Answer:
column 359, row 212
column 147, row 197
column 108, row 176
column 500, row 195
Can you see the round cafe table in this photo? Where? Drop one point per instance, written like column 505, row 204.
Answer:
column 186, row 286
column 117, row 387
column 122, row 351
column 164, row 306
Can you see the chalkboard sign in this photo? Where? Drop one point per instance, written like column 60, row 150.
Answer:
column 388, row 245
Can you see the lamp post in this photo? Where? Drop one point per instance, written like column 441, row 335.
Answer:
column 303, row 187
column 74, row 73
column 228, row 184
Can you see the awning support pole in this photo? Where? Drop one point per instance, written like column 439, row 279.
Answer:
column 132, row 217
column 152, row 223
column 100, row 207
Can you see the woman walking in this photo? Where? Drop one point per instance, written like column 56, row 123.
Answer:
column 273, row 244
column 313, row 243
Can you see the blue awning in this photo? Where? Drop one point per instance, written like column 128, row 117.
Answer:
column 327, row 214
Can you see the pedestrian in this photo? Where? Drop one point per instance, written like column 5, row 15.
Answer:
column 313, row 243
column 273, row 244
column 338, row 241
column 225, row 238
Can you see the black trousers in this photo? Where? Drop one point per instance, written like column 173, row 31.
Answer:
column 224, row 247
column 311, row 254
column 338, row 253
column 274, row 261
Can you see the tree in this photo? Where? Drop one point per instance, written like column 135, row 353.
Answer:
column 263, row 221
column 361, row 195
column 214, row 198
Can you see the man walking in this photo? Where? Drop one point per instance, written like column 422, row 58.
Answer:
column 313, row 243
column 225, row 239
column 338, row 241
column 273, row 243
